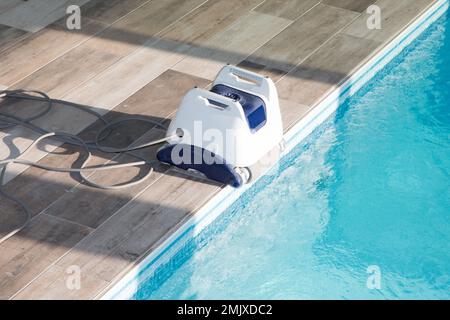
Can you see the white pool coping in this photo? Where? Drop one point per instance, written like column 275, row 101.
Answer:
column 127, row 286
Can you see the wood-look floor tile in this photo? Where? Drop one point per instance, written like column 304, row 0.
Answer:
column 38, row 49
column 298, row 40
column 43, row 241
column 325, row 69
column 288, row 9
column 33, row 16
column 55, row 278
column 354, row 5
column 232, row 45
column 126, row 236
column 111, row 10
column 208, row 20
column 9, row 36
column 395, row 16
column 6, row 5
column 291, row 112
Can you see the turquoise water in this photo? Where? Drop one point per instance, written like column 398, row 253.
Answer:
column 371, row 187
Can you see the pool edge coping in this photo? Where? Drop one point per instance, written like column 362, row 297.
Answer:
column 126, row 284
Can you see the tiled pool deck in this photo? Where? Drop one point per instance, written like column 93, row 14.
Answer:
column 141, row 57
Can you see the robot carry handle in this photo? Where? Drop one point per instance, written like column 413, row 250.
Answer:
column 244, row 80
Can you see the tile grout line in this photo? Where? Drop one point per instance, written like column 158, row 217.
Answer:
column 21, row 38
column 118, row 19
column 293, row 21
column 307, row 11
column 152, row 40
column 322, row 45
column 69, row 221
column 330, row 5
column 258, row 47
column 105, row 27
column 310, row 108
column 257, row 6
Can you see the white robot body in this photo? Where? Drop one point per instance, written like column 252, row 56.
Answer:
column 238, row 120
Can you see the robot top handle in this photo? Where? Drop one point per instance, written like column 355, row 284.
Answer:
column 247, row 81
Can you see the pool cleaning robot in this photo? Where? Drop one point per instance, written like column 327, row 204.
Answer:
column 222, row 132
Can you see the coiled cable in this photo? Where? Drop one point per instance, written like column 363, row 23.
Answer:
column 8, row 121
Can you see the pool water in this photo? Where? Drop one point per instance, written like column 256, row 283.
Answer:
column 361, row 209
